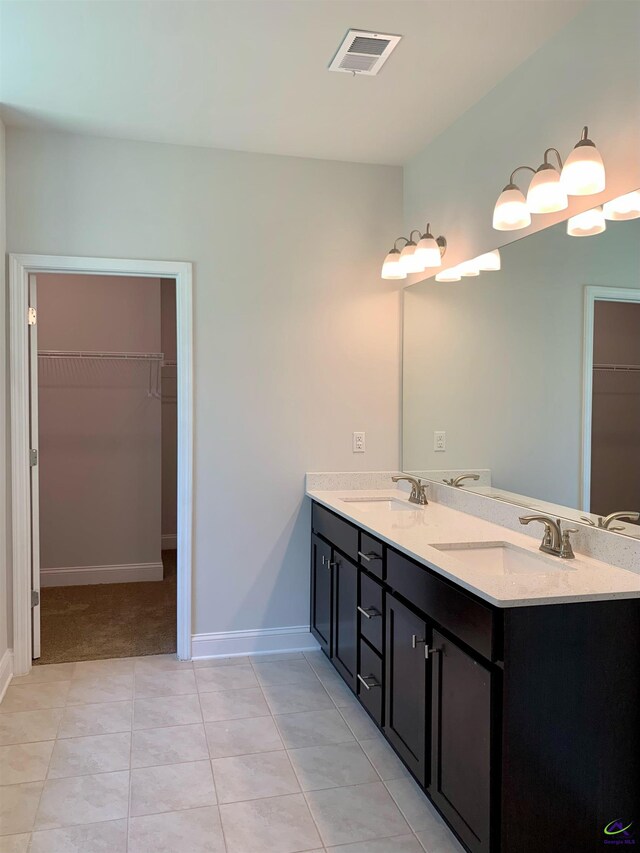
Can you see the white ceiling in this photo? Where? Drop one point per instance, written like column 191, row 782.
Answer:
column 253, row 76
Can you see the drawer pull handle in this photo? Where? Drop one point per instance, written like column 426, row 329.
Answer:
column 368, row 681
column 415, row 640
column 431, row 651
column 369, row 612
column 370, row 556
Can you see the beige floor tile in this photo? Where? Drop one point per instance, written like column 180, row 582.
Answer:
column 272, row 825
column 102, row 718
column 46, row 673
column 34, row 697
column 413, row 804
column 166, row 711
column 100, row 668
column 172, row 787
column 18, row 807
column 169, row 745
column 107, row 688
column 24, row 762
column 338, row 690
column 29, row 726
column 313, row 728
column 269, row 657
column 83, row 799
column 248, row 777
column 164, row 683
column 15, row 843
column 231, row 661
column 240, row 737
column 439, row 839
column 384, row 759
column 358, row 813
column 80, row 756
column 190, row 831
column 225, row 678
column 159, row 663
column 285, row 672
column 359, row 722
column 106, row 837
column 292, row 698
column 233, row 704
column 331, row 766
column 399, row 844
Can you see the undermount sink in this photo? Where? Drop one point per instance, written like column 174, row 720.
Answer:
column 503, row 558
column 378, row 502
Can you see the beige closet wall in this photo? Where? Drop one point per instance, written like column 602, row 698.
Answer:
column 100, row 431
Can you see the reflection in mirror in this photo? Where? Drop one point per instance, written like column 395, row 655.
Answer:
column 529, row 377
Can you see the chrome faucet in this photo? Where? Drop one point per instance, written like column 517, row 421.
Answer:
column 605, row 523
column 418, row 490
column 458, row 481
column 555, row 540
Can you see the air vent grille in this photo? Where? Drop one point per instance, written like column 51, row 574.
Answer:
column 363, row 52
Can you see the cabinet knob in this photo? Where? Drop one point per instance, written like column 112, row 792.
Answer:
column 368, row 681
column 415, row 640
column 369, row 612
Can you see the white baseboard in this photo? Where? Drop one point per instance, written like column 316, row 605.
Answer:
column 169, row 541
column 6, row 672
column 80, row 575
column 294, row 638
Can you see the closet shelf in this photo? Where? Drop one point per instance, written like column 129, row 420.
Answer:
column 621, row 367
column 108, row 356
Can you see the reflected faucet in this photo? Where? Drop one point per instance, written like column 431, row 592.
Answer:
column 418, row 490
column 605, row 523
column 555, row 540
column 458, row 481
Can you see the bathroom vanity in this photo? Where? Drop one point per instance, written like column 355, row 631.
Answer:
column 508, row 682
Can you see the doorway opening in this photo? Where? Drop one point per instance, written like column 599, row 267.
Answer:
column 101, row 391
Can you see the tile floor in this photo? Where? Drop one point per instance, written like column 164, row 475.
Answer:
column 268, row 754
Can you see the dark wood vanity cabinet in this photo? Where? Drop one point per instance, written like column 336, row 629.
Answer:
column 521, row 725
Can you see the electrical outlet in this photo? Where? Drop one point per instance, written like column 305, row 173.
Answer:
column 358, row 442
column 439, row 441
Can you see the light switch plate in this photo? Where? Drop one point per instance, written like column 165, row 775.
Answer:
column 439, row 441
column 358, row 442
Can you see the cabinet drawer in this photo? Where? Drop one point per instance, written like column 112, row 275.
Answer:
column 370, row 682
column 449, row 607
column 371, row 555
column 335, row 530
column 371, row 609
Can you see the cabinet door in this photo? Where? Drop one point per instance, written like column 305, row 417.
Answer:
column 345, row 622
column 406, row 686
column 321, row 577
column 461, row 742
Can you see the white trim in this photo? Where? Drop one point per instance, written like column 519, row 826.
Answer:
column 88, row 575
column 6, row 672
column 591, row 296
column 20, row 266
column 294, row 638
column 169, row 541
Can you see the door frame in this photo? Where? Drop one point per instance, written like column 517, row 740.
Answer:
column 593, row 294
column 21, row 266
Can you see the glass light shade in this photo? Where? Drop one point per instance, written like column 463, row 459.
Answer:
column 391, row 268
column 587, row 224
column 452, row 274
column 409, row 261
column 511, row 211
column 469, row 268
column 489, row 261
column 583, row 171
column 546, row 194
column 624, row 207
column 428, row 252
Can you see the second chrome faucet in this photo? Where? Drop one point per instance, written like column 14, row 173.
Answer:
column 555, row 540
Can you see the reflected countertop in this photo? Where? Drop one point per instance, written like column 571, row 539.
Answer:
column 415, row 532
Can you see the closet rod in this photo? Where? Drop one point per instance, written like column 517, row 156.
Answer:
column 108, row 356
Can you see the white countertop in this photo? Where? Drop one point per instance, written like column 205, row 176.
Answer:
column 415, row 532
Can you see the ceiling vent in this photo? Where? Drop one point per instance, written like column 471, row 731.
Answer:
column 362, row 52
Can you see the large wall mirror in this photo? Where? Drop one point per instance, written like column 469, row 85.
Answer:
column 529, row 377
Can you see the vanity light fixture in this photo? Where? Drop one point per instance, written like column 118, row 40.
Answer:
column 583, row 170
column 429, row 251
column 546, row 193
column 624, row 207
column 587, row 224
column 409, row 257
column 511, row 211
column 452, row 274
column 391, row 268
column 489, row 261
column 469, row 268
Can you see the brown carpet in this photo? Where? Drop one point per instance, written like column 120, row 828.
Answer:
column 114, row 620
